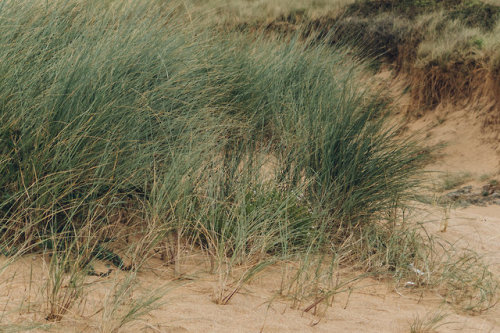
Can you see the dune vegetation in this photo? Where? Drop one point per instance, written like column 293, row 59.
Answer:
column 449, row 50
column 132, row 130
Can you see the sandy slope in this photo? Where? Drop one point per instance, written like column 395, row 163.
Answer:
column 372, row 306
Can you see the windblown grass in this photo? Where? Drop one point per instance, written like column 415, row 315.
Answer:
column 127, row 116
column 167, row 125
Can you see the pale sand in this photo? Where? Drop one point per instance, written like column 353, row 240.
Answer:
column 373, row 306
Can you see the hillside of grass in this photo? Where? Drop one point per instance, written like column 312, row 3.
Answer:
column 448, row 51
column 130, row 128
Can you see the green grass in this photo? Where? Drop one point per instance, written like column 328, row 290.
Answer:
column 122, row 120
column 143, row 113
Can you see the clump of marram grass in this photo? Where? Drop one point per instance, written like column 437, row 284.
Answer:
column 120, row 120
column 121, row 115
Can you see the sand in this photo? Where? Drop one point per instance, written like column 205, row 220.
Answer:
column 372, row 306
